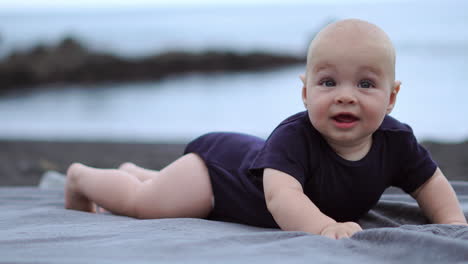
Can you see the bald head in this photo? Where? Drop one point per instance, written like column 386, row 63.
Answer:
column 352, row 37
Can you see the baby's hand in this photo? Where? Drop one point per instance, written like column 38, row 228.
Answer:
column 340, row 230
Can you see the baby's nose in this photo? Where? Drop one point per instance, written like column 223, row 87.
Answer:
column 345, row 96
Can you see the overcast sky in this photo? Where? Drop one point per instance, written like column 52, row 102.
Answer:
column 134, row 3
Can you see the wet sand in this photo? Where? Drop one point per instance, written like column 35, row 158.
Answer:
column 24, row 162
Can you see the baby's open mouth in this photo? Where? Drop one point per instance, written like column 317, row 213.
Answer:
column 345, row 118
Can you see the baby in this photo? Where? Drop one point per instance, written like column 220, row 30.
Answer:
column 319, row 171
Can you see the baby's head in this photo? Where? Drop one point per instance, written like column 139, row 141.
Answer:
column 349, row 85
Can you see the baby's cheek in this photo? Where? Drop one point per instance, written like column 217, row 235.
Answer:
column 375, row 116
column 317, row 110
column 317, row 116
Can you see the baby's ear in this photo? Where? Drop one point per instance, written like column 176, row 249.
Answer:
column 304, row 90
column 302, row 76
column 393, row 96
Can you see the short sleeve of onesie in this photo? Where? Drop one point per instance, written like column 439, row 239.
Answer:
column 417, row 165
column 287, row 149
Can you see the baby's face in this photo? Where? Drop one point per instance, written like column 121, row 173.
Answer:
column 349, row 84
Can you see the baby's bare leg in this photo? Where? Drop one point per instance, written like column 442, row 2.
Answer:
column 86, row 186
column 182, row 189
column 141, row 173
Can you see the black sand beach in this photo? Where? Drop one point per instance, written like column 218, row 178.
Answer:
column 24, row 162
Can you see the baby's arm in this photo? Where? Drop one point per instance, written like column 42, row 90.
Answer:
column 438, row 201
column 294, row 211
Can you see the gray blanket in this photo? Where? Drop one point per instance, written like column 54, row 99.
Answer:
column 34, row 228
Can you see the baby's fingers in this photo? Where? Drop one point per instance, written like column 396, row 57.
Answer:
column 349, row 228
column 341, row 235
column 337, row 233
column 330, row 234
column 345, row 233
column 353, row 226
column 341, row 230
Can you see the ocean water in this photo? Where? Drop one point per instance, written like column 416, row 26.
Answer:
column 432, row 62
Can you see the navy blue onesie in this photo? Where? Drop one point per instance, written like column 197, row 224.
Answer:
column 343, row 190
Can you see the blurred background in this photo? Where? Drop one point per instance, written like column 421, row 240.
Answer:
column 430, row 37
column 104, row 82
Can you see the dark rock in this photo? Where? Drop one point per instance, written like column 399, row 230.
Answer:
column 71, row 62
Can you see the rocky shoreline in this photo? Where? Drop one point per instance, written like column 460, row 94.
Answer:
column 70, row 62
column 24, row 162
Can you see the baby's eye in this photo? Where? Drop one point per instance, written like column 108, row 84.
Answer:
column 366, row 84
column 328, row 83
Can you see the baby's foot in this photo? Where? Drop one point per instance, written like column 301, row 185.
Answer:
column 128, row 167
column 141, row 173
column 73, row 199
